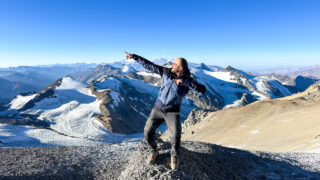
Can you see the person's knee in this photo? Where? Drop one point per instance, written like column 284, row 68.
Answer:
column 175, row 137
column 148, row 131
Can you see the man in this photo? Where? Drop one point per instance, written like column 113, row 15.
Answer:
column 176, row 82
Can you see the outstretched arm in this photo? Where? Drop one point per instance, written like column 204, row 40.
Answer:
column 194, row 85
column 146, row 63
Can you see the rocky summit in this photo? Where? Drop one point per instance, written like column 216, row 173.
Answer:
column 127, row 161
column 209, row 161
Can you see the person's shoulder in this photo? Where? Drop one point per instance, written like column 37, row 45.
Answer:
column 166, row 70
column 187, row 76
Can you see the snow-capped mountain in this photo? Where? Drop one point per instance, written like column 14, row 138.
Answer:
column 126, row 99
column 128, row 69
column 23, row 79
column 230, row 86
column 120, row 104
column 294, row 83
column 35, row 78
column 49, row 72
column 163, row 61
column 97, row 72
column 64, row 104
column 160, row 61
column 129, row 63
column 69, row 107
column 128, row 103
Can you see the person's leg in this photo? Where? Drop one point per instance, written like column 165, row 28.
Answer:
column 154, row 121
column 174, row 128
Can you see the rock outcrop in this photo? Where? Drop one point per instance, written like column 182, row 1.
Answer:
column 211, row 100
column 29, row 121
column 124, row 110
column 245, row 98
column 208, row 101
column 194, row 117
column 146, row 78
column 241, row 78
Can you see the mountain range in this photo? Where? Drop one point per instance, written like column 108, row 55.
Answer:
column 93, row 109
column 25, row 79
column 307, row 71
column 101, row 103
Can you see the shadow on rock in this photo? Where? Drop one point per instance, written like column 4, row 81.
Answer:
column 208, row 161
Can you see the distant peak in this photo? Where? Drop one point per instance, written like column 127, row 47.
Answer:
column 162, row 61
column 104, row 66
column 54, row 85
column 204, row 67
column 127, row 69
column 129, row 61
column 229, row 68
column 67, row 77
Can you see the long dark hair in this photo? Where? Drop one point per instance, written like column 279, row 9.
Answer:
column 184, row 64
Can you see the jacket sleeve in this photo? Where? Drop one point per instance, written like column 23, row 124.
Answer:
column 148, row 64
column 194, row 85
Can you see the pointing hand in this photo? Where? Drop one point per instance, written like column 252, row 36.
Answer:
column 128, row 56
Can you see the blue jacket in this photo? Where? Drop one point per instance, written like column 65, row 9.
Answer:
column 170, row 95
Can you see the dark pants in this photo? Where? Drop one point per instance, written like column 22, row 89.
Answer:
column 172, row 120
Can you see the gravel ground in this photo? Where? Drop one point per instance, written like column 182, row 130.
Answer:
column 127, row 161
column 209, row 161
column 73, row 162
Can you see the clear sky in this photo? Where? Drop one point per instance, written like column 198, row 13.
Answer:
column 242, row 33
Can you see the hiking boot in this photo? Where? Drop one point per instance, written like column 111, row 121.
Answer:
column 152, row 157
column 174, row 162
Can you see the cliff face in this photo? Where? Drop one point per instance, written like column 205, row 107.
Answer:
column 117, row 112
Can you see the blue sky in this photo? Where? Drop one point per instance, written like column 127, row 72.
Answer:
column 246, row 34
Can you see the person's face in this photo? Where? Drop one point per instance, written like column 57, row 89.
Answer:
column 176, row 66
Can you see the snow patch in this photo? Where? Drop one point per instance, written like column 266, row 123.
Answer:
column 108, row 82
column 149, row 74
column 125, row 68
column 235, row 104
column 116, row 97
column 225, row 76
column 20, row 101
column 69, row 83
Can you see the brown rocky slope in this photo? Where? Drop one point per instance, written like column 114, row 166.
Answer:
column 289, row 124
